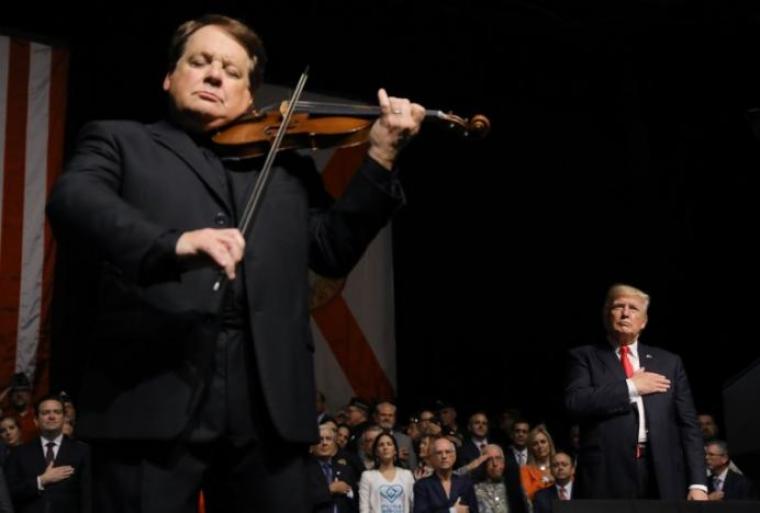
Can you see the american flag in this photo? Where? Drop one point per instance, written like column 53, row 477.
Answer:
column 32, row 114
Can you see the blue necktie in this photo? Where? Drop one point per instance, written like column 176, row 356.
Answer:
column 327, row 471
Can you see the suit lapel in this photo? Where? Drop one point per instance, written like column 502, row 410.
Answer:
column 179, row 143
column 606, row 355
column 39, row 454
column 64, row 453
column 440, row 490
column 647, row 359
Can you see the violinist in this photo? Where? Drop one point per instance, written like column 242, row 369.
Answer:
column 182, row 391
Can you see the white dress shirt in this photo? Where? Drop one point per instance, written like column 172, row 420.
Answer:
column 633, row 393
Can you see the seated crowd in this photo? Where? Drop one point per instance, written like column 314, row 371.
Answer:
column 363, row 462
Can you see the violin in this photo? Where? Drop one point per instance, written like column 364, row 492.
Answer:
column 319, row 125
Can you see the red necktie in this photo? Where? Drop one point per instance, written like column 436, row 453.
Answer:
column 627, row 367
column 562, row 493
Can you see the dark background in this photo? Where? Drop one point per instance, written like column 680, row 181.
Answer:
column 621, row 150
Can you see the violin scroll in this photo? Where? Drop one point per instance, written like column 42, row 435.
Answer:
column 476, row 127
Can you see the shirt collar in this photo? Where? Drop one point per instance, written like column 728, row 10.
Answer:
column 57, row 440
column 633, row 349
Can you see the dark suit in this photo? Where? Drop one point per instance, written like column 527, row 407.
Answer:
column 71, row 495
column 430, row 497
column 468, row 452
column 518, row 503
column 543, row 502
column 735, row 487
column 596, row 394
column 317, row 487
column 322, row 499
column 6, row 505
column 127, row 195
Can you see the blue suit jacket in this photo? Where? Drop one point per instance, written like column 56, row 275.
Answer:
column 430, row 497
column 597, row 396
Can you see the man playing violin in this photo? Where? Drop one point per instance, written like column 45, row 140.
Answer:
column 187, row 389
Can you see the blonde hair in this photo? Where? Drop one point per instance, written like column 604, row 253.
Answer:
column 621, row 289
column 539, row 430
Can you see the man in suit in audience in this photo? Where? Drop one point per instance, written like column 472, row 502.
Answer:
column 336, row 475
column 563, row 470
column 50, row 474
column 724, row 483
column 477, row 439
column 517, row 451
column 444, row 490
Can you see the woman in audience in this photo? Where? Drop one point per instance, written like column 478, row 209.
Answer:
column 536, row 473
column 10, row 431
column 387, row 487
column 424, row 468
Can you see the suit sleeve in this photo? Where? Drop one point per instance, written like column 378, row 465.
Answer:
column 584, row 398
column 341, row 232
column 691, row 436
column 515, row 493
column 424, row 501
column 85, row 206
column 469, row 497
column 85, row 477
column 6, row 506
column 22, row 487
column 542, row 502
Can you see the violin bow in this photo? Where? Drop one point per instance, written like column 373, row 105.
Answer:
column 265, row 175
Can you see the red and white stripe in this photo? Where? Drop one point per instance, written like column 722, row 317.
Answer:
column 32, row 112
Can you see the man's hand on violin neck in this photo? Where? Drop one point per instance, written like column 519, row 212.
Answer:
column 399, row 121
column 210, row 246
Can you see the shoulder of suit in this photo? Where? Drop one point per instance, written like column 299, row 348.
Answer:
column 76, row 443
column 656, row 352
column 118, row 125
column 585, row 349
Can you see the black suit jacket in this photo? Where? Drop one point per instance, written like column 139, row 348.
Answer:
column 467, row 452
column 125, row 197
column 597, row 396
column 321, row 498
column 735, row 487
column 72, row 495
column 318, row 489
column 430, row 497
column 6, row 505
column 543, row 501
column 518, row 502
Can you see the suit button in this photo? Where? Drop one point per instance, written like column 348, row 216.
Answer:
column 220, row 219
